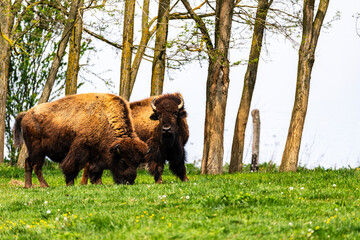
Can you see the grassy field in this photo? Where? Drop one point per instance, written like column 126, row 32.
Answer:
column 318, row 204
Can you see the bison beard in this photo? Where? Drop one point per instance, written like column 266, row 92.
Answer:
column 161, row 123
column 93, row 129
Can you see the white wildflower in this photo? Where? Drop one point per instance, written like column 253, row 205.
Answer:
column 48, row 211
column 187, row 197
column 290, row 224
column 46, row 202
column 162, row 197
column 291, row 188
column 334, row 185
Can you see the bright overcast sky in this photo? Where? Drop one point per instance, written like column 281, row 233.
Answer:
column 331, row 135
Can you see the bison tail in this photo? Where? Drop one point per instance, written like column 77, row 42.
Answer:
column 17, row 132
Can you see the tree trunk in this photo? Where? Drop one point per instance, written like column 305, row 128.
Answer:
column 54, row 67
column 145, row 37
column 74, row 55
column 60, row 52
column 256, row 141
column 126, row 56
column 5, row 20
column 217, row 90
column 248, row 89
column 158, row 67
column 310, row 35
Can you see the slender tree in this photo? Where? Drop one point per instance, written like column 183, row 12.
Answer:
column 310, row 36
column 145, row 37
column 217, row 83
column 74, row 54
column 158, row 67
column 71, row 21
column 6, row 19
column 249, row 85
column 126, row 56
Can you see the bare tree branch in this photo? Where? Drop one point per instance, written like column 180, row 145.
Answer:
column 103, row 39
column 200, row 24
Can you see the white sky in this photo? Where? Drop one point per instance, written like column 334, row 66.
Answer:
column 331, row 135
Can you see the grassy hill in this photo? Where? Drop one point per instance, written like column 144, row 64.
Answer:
column 319, row 204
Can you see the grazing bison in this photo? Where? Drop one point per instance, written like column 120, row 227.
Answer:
column 94, row 129
column 161, row 123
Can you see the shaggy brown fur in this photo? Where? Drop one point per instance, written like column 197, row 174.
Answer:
column 164, row 130
column 94, row 129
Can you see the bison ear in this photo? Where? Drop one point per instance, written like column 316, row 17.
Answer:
column 154, row 116
column 116, row 149
column 182, row 114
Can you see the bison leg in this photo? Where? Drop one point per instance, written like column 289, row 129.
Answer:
column 38, row 172
column 177, row 166
column 34, row 162
column 74, row 161
column 85, row 176
column 156, row 170
column 95, row 174
column 28, row 173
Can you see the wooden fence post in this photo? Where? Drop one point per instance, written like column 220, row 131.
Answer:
column 256, row 140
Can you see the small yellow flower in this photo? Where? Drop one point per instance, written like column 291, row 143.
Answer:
column 162, row 217
column 137, row 220
column 142, row 215
column 169, row 224
column 90, row 214
column 317, row 227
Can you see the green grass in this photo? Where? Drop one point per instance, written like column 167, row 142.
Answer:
column 264, row 205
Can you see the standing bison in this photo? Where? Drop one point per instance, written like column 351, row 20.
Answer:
column 161, row 123
column 94, row 129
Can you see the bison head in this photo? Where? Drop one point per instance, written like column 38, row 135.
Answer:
column 128, row 153
column 168, row 110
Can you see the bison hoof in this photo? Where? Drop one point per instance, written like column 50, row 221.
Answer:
column 160, row 181
column 44, row 185
column 83, row 182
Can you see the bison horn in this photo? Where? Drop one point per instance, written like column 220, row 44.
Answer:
column 117, row 149
column 181, row 105
column 153, row 104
